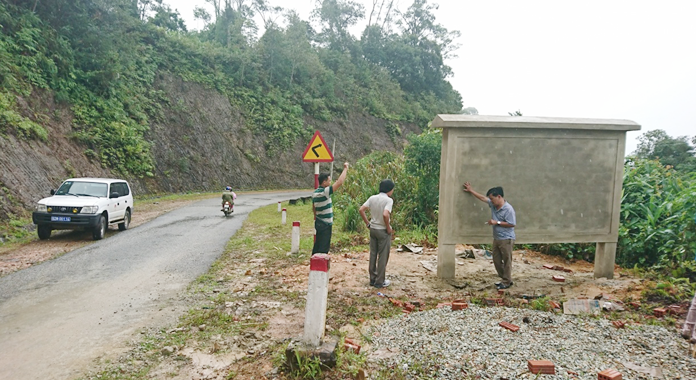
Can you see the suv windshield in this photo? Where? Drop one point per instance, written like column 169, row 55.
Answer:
column 90, row 189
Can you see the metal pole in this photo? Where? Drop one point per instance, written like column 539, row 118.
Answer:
column 333, row 150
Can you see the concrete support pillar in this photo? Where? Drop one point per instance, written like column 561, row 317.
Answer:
column 445, row 261
column 605, row 258
column 295, row 241
column 317, row 299
column 284, row 217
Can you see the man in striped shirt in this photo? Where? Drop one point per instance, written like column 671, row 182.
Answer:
column 323, row 210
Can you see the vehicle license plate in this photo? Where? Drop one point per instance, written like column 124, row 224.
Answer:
column 60, row 219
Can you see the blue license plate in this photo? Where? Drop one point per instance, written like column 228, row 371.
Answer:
column 60, row 219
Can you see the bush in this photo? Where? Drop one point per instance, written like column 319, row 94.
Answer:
column 658, row 208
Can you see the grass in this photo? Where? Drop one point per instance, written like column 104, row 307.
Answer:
column 260, row 250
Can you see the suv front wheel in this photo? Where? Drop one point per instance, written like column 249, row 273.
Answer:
column 99, row 229
column 126, row 221
column 43, row 231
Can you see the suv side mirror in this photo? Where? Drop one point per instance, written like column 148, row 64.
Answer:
column 114, row 195
column 53, row 192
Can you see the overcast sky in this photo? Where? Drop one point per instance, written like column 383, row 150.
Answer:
column 632, row 60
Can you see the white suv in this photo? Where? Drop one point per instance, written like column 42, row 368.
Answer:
column 85, row 203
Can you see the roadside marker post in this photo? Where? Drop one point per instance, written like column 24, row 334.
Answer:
column 279, row 206
column 295, row 244
column 284, row 217
column 317, row 299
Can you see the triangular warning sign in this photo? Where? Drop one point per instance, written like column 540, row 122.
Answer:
column 317, row 150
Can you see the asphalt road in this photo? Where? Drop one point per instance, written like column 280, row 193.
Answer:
column 57, row 317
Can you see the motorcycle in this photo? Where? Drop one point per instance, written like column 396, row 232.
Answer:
column 227, row 208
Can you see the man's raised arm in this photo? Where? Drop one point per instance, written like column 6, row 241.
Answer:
column 468, row 189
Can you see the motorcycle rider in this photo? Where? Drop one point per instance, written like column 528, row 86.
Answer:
column 228, row 196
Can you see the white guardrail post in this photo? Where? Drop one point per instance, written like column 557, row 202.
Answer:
column 317, row 296
column 295, row 242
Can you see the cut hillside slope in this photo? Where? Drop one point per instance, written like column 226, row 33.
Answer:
column 202, row 145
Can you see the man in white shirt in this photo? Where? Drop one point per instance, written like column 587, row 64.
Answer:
column 381, row 232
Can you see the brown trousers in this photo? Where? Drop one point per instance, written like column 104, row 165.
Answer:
column 502, row 259
column 380, row 243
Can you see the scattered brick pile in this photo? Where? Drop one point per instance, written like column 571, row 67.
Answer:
column 557, row 267
column 407, row 307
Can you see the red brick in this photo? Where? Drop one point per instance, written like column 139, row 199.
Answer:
column 609, row 374
column 396, row 303
column 459, row 306
column 409, row 306
column 555, row 304
column 618, row 324
column 548, row 266
column 509, row 326
column 443, row 304
column 545, row 367
column 659, row 312
column 351, row 341
column 635, row 304
column 494, row 302
column 352, row 347
column 673, row 309
column 559, row 278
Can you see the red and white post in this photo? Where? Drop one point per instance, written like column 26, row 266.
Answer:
column 279, row 206
column 316, row 175
column 295, row 242
column 317, row 299
column 284, row 216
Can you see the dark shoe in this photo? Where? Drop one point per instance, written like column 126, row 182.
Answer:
column 498, row 284
column 386, row 283
column 503, row 286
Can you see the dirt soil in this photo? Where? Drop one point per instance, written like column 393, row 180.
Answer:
column 413, row 276
column 251, row 356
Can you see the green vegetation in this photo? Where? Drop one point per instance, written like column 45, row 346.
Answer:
column 104, row 59
column 658, row 217
column 416, row 177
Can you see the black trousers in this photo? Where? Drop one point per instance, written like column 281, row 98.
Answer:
column 322, row 243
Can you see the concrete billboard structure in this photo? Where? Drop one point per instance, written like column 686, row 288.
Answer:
column 563, row 177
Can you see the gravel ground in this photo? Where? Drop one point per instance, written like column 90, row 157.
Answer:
column 446, row 344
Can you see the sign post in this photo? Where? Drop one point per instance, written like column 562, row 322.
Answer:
column 317, row 151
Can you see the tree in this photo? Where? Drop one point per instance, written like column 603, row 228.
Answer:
column 415, row 57
column 677, row 152
column 336, row 17
column 166, row 18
